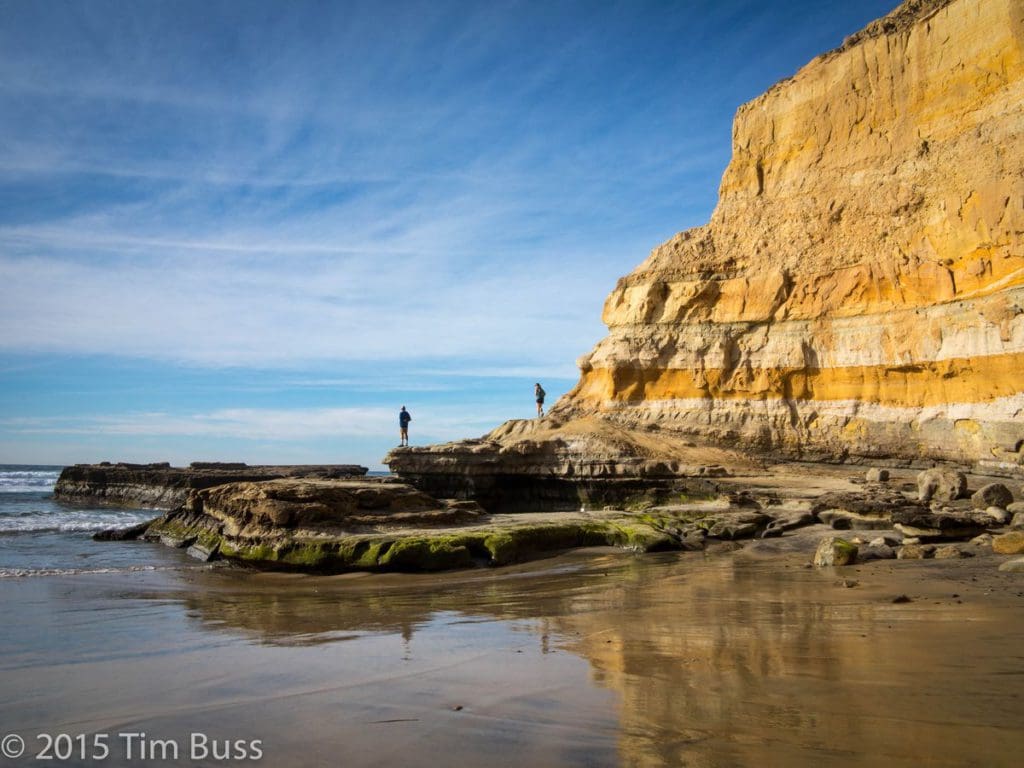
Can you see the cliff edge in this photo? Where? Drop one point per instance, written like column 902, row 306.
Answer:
column 858, row 293
column 859, row 290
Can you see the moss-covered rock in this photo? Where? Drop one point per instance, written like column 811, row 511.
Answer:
column 835, row 551
column 345, row 525
column 426, row 554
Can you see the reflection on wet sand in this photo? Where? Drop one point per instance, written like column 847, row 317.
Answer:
column 592, row 658
column 742, row 664
column 718, row 661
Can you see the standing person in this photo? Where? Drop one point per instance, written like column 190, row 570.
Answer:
column 403, row 426
column 538, row 392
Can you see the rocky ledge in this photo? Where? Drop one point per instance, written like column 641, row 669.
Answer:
column 161, row 486
column 549, row 465
column 380, row 523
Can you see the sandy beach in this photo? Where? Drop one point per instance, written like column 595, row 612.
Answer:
column 592, row 658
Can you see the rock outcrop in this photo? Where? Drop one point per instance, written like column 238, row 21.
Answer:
column 311, row 521
column 335, row 525
column 859, row 289
column 161, row 486
column 534, row 465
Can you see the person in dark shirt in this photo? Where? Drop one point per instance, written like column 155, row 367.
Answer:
column 539, row 393
column 403, row 426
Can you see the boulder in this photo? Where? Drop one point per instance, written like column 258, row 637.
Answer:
column 204, row 552
column 951, row 552
column 835, row 551
column 1011, row 543
column 1017, row 522
column 875, row 475
column 949, row 524
column 876, row 552
column 992, row 495
column 941, row 484
column 1013, row 566
column 915, row 551
column 984, row 540
column 999, row 515
column 1015, row 508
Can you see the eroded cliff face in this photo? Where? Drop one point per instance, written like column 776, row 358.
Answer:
column 859, row 289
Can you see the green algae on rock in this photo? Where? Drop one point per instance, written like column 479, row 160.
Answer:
column 377, row 524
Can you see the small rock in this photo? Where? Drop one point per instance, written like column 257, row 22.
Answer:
column 992, row 495
column 1011, row 543
column 911, row 540
column 877, row 552
column 457, row 708
column 177, row 542
column 203, row 552
column 915, row 551
column 1017, row 523
column 941, row 484
column 1016, row 508
column 875, row 475
column 1013, row 566
column 884, row 541
column 835, row 551
column 122, row 534
column 985, row 540
column 848, row 583
column 902, row 599
column 951, row 552
column 998, row 514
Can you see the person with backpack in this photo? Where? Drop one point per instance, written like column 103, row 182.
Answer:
column 538, row 392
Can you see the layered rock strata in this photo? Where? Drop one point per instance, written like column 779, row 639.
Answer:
column 859, row 289
column 534, row 465
column 161, row 486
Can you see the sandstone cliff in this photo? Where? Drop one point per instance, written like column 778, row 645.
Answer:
column 859, row 290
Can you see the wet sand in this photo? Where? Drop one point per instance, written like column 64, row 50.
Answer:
column 592, row 658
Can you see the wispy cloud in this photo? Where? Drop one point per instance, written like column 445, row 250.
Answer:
column 283, row 425
column 448, row 189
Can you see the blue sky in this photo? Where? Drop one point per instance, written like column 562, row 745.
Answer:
column 252, row 230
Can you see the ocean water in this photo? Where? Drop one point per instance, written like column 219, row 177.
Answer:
column 40, row 536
